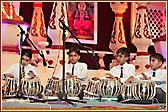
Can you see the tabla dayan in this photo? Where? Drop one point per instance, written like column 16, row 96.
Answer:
column 53, row 87
column 10, row 86
column 144, row 89
column 92, row 89
column 110, row 88
column 31, row 87
column 72, row 87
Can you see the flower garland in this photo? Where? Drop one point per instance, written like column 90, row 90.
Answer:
column 11, row 11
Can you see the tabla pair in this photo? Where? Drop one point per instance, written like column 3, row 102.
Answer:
column 54, row 86
column 108, row 88
column 140, row 90
column 29, row 87
column 103, row 87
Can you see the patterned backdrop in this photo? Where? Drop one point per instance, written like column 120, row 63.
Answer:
column 156, row 22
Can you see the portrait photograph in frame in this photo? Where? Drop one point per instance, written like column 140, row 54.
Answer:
column 82, row 21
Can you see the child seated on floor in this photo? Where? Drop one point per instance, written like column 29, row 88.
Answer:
column 123, row 72
column 158, row 75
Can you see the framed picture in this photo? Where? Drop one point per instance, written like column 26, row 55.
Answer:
column 82, row 21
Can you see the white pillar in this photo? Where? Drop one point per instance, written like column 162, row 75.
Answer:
column 54, row 26
column 142, row 37
column 118, row 37
column 38, row 30
column 118, row 34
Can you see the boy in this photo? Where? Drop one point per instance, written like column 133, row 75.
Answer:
column 123, row 72
column 75, row 69
column 157, row 74
column 27, row 70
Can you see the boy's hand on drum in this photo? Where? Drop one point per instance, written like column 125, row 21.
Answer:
column 9, row 75
column 145, row 76
column 95, row 78
column 131, row 78
column 108, row 75
column 69, row 75
column 55, row 78
column 31, row 74
column 126, row 82
column 76, row 77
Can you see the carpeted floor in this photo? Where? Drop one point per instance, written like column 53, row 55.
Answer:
column 88, row 108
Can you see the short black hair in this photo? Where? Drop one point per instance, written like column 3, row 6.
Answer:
column 158, row 56
column 73, row 49
column 27, row 52
column 124, row 51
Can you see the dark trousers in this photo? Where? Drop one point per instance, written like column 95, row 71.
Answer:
column 160, row 95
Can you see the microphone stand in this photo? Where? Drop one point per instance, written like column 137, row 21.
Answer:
column 19, row 94
column 80, row 44
column 41, row 54
column 62, row 96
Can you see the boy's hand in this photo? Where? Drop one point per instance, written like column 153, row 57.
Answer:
column 76, row 77
column 69, row 75
column 55, row 78
column 145, row 76
column 131, row 78
column 95, row 78
column 110, row 76
column 9, row 75
column 31, row 74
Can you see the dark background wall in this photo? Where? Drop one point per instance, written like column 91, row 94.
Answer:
column 105, row 19
column 105, row 22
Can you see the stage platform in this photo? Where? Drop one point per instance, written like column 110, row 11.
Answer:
column 17, row 104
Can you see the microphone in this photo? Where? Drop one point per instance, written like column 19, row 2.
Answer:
column 22, row 31
column 44, row 62
column 63, row 24
column 97, row 65
column 94, row 56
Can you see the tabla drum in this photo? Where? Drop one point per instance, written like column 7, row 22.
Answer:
column 144, row 89
column 110, row 88
column 31, row 87
column 127, row 92
column 92, row 89
column 10, row 86
column 72, row 87
column 53, row 87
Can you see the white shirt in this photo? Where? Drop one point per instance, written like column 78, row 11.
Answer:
column 159, row 76
column 128, row 70
column 80, row 69
column 14, row 70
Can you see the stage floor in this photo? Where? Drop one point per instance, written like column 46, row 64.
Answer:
column 17, row 104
